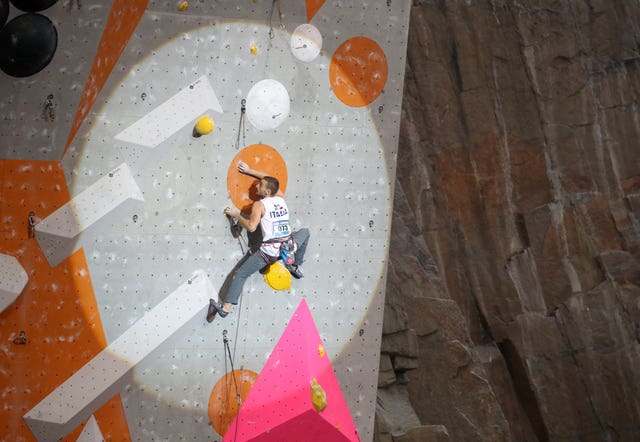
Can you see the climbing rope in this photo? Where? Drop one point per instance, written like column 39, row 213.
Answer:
column 244, row 349
column 241, row 131
column 242, row 125
column 273, row 5
column 228, row 355
column 227, row 352
column 232, row 225
column 232, row 356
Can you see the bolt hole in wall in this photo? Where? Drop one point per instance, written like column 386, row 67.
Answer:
column 172, row 184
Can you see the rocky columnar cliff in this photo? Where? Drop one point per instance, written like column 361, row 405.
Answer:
column 513, row 293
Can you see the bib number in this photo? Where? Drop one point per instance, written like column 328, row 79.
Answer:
column 280, row 229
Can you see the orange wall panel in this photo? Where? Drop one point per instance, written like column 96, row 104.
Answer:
column 56, row 310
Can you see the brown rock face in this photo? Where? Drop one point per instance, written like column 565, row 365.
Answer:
column 513, row 296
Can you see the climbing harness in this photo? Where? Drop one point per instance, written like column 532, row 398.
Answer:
column 287, row 247
column 287, row 251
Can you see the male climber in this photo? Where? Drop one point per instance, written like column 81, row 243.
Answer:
column 272, row 215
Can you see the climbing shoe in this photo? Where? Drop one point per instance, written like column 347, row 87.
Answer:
column 215, row 307
column 295, row 271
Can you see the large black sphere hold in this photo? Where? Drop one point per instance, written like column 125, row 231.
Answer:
column 27, row 45
column 33, row 5
column 4, row 12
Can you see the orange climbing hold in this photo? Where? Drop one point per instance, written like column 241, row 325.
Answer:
column 358, row 71
column 242, row 187
column 223, row 401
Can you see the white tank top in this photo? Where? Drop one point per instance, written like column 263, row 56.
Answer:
column 274, row 224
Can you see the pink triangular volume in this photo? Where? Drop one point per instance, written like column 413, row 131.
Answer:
column 279, row 406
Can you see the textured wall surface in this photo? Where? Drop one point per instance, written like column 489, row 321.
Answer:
column 113, row 210
column 513, row 302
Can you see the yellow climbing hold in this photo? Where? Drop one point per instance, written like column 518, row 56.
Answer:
column 318, row 396
column 277, row 276
column 254, row 49
column 204, row 125
column 321, row 350
column 183, row 6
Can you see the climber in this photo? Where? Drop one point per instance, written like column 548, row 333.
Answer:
column 271, row 214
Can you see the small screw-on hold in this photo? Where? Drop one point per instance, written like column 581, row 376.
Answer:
column 49, row 108
column 143, row 95
column 32, row 225
column 135, row 218
column 370, row 223
column 361, row 332
column 380, row 109
column 21, row 339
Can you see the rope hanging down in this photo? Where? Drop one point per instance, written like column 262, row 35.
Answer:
column 228, row 356
column 227, row 352
column 241, row 130
column 273, row 5
column 242, row 125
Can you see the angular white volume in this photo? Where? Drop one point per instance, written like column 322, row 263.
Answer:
column 13, row 279
column 172, row 115
column 107, row 373
column 91, row 432
column 112, row 196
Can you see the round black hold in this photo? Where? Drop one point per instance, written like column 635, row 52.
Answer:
column 27, row 45
column 4, row 12
column 33, row 5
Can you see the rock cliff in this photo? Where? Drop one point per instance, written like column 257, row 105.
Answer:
column 513, row 293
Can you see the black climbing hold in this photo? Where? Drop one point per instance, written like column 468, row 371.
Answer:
column 4, row 12
column 33, row 5
column 27, row 45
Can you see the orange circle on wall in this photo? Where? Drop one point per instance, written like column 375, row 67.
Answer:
column 358, row 71
column 223, row 401
column 260, row 157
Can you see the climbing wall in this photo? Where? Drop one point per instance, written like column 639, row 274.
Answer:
column 112, row 208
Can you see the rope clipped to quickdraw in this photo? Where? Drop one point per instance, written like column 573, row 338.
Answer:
column 236, row 232
column 242, row 124
column 273, row 5
column 233, row 224
column 244, row 352
column 227, row 352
